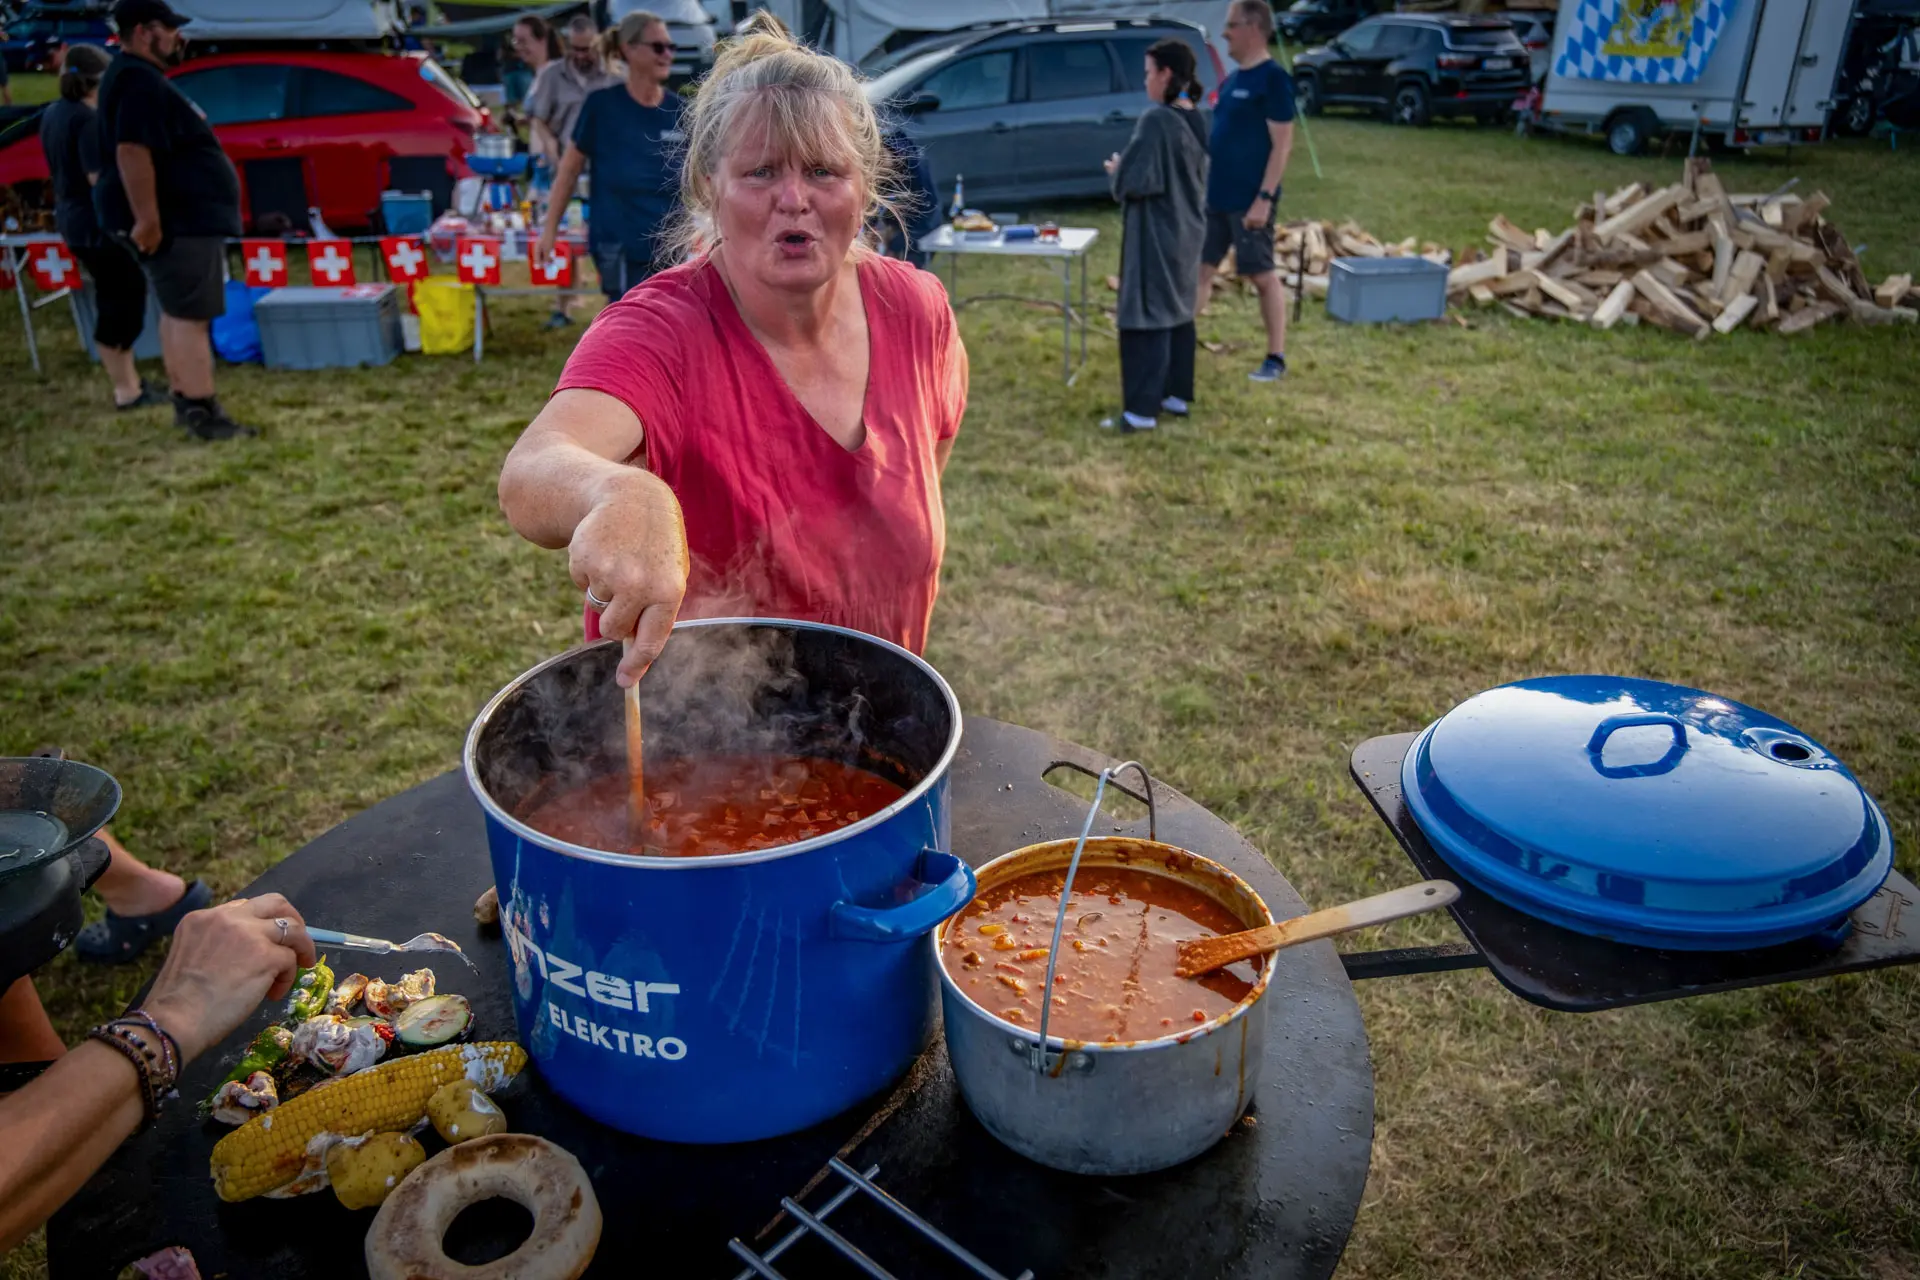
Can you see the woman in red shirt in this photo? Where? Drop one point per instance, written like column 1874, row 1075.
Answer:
column 761, row 430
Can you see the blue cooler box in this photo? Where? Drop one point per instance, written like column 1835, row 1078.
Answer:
column 1372, row 290
column 329, row 326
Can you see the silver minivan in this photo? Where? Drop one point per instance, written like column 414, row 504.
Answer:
column 1027, row 112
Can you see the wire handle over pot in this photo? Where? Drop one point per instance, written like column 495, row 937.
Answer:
column 1042, row 1061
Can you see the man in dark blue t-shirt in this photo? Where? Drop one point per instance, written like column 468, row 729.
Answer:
column 631, row 132
column 1252, row 137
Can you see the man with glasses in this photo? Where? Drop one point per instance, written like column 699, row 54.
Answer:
column 1252, row 137
column 631, row 132
column 553, row 106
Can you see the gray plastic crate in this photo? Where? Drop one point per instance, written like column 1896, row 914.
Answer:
column 329, row 326
column 1372, row 290
column 86, row 311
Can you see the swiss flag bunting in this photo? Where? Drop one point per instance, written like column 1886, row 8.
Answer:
column 406, row 258
column 557, row 270
column 331, row 261
column 52, row 266
column 479, row 259
column 265, row 262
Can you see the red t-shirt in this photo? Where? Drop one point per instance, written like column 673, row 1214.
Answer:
column 781, row 520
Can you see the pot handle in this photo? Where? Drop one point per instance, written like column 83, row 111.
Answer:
column 1635, row 720
column 952, row 888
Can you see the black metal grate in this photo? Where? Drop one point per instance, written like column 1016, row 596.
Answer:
column 816, row 1223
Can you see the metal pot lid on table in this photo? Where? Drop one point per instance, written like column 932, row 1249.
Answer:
column 1647, row 813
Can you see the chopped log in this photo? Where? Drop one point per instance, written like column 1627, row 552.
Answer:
column 1663, row 299
column 1724, row 256
column 1548, row 251
column 1804, row 319
column 1641, row 214
column 1614, row 306
column 1654, row 315
column 1478, row 272
column 1700, row 297
column 1670, row 272
column 1893, row 289
column 1567, row 294
column 1482, row 295
column 1502, row 232
column 1519, row 312
column 1687, row 242
column 1737, row 310
column 1622, row 198
column 1599, row 277
column 1804, row 213
column 1866, row 313
column 1514, row 282
column 1835, row 288
column 1769, row 297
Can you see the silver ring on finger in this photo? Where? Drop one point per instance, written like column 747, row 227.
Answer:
column 596, row 601
column 284, row 925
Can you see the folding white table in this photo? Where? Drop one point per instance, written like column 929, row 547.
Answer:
column 1073, row 243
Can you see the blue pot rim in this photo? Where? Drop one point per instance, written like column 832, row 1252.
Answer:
column 913, row 796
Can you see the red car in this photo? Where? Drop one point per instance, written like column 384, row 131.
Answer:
column 318, row 128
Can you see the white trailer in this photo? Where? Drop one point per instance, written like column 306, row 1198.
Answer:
column 1635, row 68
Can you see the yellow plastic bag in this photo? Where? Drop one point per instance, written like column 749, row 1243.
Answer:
column 446, row 316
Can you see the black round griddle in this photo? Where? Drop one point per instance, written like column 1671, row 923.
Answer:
column 1276, row 1198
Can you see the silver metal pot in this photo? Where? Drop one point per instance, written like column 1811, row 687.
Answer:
column 1110, row 1108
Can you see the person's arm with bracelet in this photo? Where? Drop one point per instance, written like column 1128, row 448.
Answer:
column 136, row 175
column 571, row 163
column 60, row 1128
column 1280, row 138
column 567, row 483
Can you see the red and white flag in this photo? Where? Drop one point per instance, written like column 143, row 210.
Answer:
column 331, row 261
column 265, row 262
column 479, row 260
column 52, row 266
column 406, row 258
column 557, row 270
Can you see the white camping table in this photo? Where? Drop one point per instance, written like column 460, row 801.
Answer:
column 1073, row 243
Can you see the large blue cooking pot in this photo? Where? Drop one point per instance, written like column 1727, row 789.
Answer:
column 736, row 997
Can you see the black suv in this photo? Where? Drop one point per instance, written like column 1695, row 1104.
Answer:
column 1311, row 21
column 1414, row 67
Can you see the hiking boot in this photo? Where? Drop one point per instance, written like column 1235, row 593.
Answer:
column 206, row 420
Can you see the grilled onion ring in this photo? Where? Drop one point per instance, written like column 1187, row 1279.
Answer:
column 404, row 1241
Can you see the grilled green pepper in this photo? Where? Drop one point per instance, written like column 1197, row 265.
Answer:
column 267, row 1052
column 310, row 992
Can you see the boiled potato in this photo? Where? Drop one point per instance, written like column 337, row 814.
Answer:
column 365, row 1173
column 459, row 1111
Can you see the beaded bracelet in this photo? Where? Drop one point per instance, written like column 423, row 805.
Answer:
column 154, row 1055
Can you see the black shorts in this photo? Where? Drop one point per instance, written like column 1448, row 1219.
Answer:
column 189, row 276
column 119, row 294
column 1252, row 250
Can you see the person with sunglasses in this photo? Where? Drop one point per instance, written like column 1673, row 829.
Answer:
column 631, row 133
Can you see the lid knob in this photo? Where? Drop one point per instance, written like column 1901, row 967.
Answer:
column 1597, row 744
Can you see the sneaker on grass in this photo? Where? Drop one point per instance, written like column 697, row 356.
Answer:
column 1176, row 406
column 1128, row 423
column 1272, row 369
column 206, row 420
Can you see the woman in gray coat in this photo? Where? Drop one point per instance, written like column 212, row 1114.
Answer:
column 1161, row 181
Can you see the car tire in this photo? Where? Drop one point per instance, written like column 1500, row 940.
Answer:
column 1856, row 116
column 1629, row 132
column 1306, row 93
column 1411, row 104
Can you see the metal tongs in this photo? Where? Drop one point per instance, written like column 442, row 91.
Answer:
column 381, row 947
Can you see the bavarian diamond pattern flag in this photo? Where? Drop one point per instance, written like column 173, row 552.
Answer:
column 1642, row 41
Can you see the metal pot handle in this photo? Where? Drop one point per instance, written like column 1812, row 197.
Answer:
column 1635, row 720
column 952, row 888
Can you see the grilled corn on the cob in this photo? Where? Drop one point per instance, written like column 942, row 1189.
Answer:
column 270, row 1151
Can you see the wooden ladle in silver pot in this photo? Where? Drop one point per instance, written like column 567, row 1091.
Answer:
column 1203, row 955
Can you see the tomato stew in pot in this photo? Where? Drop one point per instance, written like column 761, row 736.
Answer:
column 714, row 805
column 1115, row 981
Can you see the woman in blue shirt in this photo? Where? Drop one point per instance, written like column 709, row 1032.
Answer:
column 631, row 132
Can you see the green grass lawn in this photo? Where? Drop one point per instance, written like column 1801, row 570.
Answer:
column 261, row 639
column 33, row 86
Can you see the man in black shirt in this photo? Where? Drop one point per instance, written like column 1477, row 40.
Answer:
column 172, row 195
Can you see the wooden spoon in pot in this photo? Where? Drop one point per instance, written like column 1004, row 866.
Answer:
column 1204, row 955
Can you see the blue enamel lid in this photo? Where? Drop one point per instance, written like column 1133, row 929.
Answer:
column 1647, row 813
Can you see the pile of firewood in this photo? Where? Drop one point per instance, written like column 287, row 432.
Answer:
column 1690, row 258
column 1323, row 242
